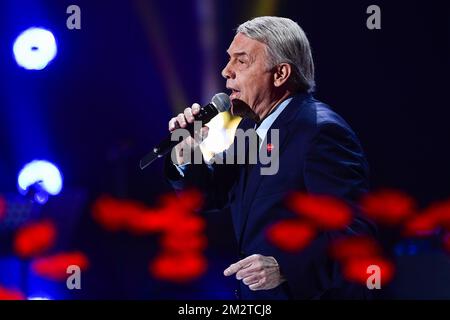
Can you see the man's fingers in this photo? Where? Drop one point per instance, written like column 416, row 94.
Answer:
column 256, row 286
column 181, row 120
column 246, row 272
column 188, row 115
column 257, row 272
column 232, row 269
column 244, row 263
column 195, row 108
column 173, row 124
column 251, row 279
column 235, row 267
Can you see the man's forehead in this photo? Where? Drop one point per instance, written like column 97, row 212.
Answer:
column 242, row 44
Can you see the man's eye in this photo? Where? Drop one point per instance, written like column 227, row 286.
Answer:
column 241, row 61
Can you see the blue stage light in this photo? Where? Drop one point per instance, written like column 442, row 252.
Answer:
column 34, row 48
column 39, row 298
column 41, row 178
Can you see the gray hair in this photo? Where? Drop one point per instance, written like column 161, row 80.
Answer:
column 286, row 42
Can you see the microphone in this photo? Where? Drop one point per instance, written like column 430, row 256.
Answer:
column 219, row 103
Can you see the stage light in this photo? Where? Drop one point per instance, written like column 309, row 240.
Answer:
column 38, row 298
column 40, row 178
column 220, row 136
column 34, row 48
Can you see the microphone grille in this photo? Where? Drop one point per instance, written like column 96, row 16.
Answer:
column 221, row 101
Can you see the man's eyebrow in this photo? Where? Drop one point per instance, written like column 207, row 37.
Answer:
column 239, row 53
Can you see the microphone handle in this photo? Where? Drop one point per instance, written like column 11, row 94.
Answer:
column 167, row 144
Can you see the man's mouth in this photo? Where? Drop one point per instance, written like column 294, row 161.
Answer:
column 234, row 93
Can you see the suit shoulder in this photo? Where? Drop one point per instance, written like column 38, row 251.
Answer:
column 317, row 116
column 332, row 128
column 328, row 118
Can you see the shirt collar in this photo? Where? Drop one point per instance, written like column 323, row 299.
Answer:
column 265, row 125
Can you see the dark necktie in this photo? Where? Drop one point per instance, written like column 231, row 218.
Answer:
column 249, row 166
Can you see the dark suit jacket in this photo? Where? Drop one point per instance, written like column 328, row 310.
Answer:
column 320, row 154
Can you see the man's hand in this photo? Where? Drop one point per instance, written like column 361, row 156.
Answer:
column 257, row 272
column 181, row 121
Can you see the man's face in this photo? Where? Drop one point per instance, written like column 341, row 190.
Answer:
column 248, row 77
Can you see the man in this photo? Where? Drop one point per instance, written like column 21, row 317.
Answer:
column 271, row 76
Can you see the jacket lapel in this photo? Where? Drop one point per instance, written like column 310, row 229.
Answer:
column 282, row 123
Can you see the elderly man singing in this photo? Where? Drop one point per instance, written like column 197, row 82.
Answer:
column 270, row 74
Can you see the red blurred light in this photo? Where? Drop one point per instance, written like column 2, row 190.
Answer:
column 187, row 225
column 55, row 267
column 420, row 226
column 325, row 212
column 149, row 222
column 389, row 207
column 183, row 242
column 175, row 213
column 356, row 269
column 182, row 239
column 35, row 238
column 2, row 207
column 114, row 214
column 11, row 294
column 359, row 247
column 291, row 235
column 439, row 212
column 180, row 268
column 187, row 201
column 356, row 254
column 446, row 242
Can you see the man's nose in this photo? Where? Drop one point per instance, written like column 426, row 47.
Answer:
column 227, row 72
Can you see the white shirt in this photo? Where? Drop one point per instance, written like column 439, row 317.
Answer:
column 270, row 119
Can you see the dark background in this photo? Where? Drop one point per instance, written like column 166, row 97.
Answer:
column 107, row 97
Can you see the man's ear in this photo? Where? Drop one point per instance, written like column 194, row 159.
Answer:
column 281, row 74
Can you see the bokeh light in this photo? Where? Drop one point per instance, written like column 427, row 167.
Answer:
column 35, row 48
